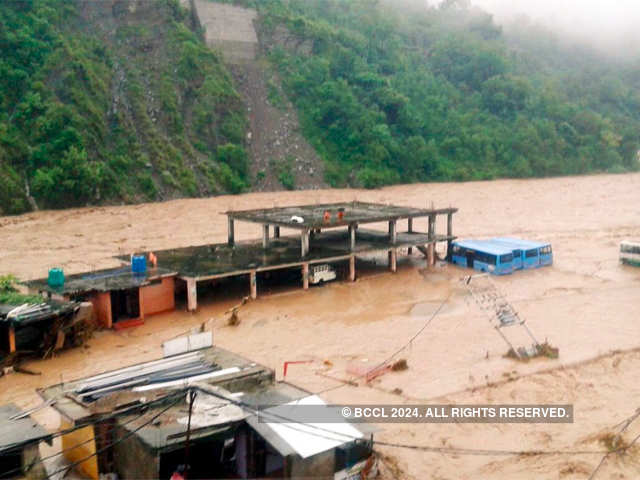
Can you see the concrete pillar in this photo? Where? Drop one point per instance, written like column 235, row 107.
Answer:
column 12, row 339
column 253, row 284
column 432, row 226
column 304, row 243
column 231, row 232
column 276, row 231
column 393, row 232
column 265, row 236
column 305, row 276
column 393, row 259
column 192, row 295
column 449, row 233
column 352, row 268
column 410, row 230
column 352, row 237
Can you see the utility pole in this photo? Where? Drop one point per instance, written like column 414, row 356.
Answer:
column 192, row 398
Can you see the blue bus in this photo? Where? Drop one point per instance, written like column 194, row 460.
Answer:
column 516, row 249
column 534, row 254
column 484, row 256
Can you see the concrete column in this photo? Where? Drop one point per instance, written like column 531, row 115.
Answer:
column 265, row 236
column 449, row 233
column 305, row 276
column 352, row 237
column 393, row 259
column 276, row 231
column 352, row 268
column 432, row 226
column 393, row 232
column 304, row 243
column 192, row 295
column 253, row 284
column 12, row 339
column 431, row 248
column 231, row 231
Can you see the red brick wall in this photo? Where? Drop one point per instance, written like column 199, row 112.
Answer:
column 102, row 309
column 157, row 298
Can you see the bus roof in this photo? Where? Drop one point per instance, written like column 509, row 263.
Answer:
column 630, row 243
column 517, row 242
column 484, row 246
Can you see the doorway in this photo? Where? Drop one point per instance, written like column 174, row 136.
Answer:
column 125, row 304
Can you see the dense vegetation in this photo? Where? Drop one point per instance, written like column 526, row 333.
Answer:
column 122, row 101
column 105, row 101
column 395, row 92
column 9, row 294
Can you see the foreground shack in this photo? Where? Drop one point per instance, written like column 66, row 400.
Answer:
column 120, row 297
column 20, row 437
column 41, row 329
column 146, row 434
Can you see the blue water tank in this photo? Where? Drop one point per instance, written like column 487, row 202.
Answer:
column 139, row 264
column 56, row 277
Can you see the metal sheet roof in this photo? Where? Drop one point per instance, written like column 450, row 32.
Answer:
column 308, row 439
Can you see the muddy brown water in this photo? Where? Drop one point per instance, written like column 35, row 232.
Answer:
column 587, row 305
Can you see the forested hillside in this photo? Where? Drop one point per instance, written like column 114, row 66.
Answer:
column 112, row 101
column 395, row 92
column 121, row 101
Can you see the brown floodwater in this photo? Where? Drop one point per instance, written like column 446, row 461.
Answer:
column 587, row 305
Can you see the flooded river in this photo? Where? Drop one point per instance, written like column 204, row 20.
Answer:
column 587, row 305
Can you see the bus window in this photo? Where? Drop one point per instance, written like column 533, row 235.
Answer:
column 506, row 258
column 531, row 253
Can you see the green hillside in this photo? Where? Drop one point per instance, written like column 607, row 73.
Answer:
column 393, row 92
column 112, row 101
column 108, row 102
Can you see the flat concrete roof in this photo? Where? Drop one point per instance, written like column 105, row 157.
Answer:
column 220, row 260
column 20, row 432
column 313, row 215
column 101, row 280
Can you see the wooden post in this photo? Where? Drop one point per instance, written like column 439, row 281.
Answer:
column 230, row 232
column 192, row 398
column 352, row 268
column 410, row 230
column 352, row 237
column 276, row 231
column 253, row 284
column 192, row 295
column 265, row 236
column 12, row 339
column 393, row 259
column 305, row 276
